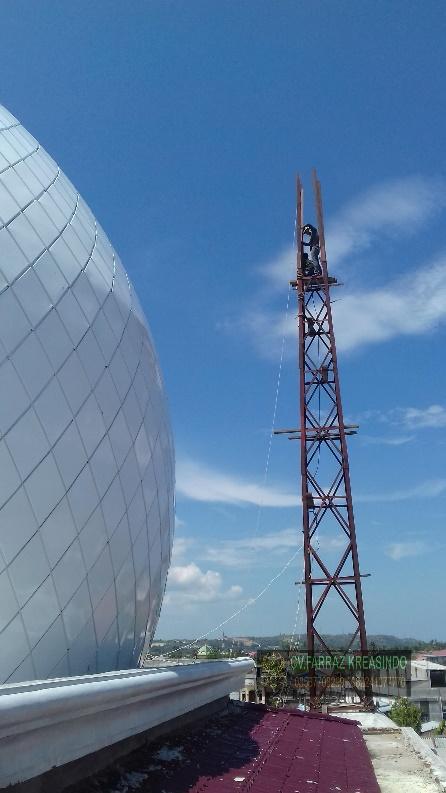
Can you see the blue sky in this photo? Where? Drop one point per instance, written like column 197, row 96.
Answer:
column 183, row 125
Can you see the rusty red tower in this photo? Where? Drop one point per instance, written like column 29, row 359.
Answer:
column 332, row 573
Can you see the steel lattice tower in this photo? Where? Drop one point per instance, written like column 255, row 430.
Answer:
column 326, row 490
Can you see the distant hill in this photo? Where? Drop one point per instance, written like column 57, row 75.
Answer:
column 282, row 640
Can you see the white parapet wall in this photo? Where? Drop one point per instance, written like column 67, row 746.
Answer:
column 46, row 724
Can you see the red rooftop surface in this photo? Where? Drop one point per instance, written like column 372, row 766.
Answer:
column 262, row 750
column 296, row 753
column 251, row 749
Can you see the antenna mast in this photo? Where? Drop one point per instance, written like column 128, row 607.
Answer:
column 333, row 580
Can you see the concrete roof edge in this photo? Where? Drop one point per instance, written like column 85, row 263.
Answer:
column 374, row 722
column 436, row 766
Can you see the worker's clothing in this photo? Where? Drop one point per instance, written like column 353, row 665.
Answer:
column 313, row 259
column 313, row 245
column 307, row 265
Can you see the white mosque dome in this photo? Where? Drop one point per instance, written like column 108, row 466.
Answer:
column 86, row 451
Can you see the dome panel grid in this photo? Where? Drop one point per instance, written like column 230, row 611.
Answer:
column 83, row 426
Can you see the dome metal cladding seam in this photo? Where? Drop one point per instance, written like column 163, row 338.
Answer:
column 86, row 450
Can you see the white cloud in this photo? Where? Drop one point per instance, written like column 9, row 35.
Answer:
column 405, row 418
column 267, row 328
column 386, row 440
column 405, row 306
column 189, row 584
column 430, row 488
column 180, row 546
column 258, row 549
column 201, row 483
column 198, row 482
column 408, row 306
column 418, row 418
column 280, row 269
column 400, row 550
column 385, row 210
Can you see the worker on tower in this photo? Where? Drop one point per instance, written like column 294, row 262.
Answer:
column 313, row 244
